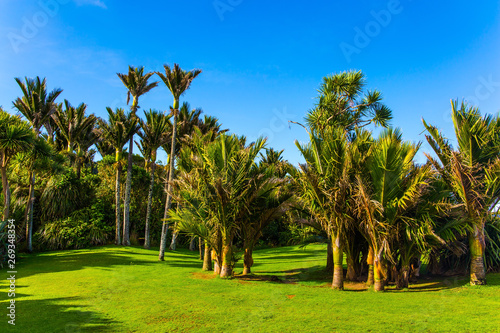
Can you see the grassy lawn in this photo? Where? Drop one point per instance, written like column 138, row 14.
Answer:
column 117, row 289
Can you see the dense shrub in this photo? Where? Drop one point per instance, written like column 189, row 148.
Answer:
column 83, row 228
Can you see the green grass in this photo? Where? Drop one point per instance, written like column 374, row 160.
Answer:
column 116, row 289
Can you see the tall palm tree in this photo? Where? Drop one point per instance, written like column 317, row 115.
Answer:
column 187, row 120
column 116, row 132
column 15, row 136
column 137, row 84
column 178, row 82
column 155, row 132
column 37, row 106
column 471, row 172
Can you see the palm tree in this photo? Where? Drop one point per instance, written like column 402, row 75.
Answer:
column 15, row 136
column 37, row 158
column 72, row 122
column 177, row 81
column 268, row 198
column 154, row 133
column 471, row 173
column 342, row 103
column 37, row 107
column 117, row 132
column 324, row 183
column 215, row 193
column 137, row 84
column 385, row 195
column 187, row 120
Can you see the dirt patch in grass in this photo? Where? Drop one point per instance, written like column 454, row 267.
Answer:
column 203, row 276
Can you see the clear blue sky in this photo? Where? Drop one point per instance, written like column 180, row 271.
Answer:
column 262, row 61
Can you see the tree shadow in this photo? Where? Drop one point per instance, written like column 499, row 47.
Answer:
column 57, row 315
column 106, row 257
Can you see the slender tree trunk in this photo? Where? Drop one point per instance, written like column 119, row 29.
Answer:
column 192, row 244
column 118, row 233
column 227, row 257
column 217, row 262
column 163, row 243
column 6, row 193
column 369, row 261
column 351, row 269
column 329, row 256
column 378, row 274
column 29, row 221
column 147, row 241
column 128, row 190
column 175, row 234
column 338, row 258
column 476, row 245
column 200, row 247
column 404, row 277
column 248, row 258
column 207, row 258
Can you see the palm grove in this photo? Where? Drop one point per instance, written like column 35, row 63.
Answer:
column 380, row 213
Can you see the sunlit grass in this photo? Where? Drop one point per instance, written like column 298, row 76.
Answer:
column 119, row 289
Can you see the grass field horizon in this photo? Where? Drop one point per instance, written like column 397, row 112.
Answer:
column 126, row 289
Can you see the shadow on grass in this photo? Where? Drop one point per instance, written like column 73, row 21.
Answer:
column 106, row 257
column 58, row 315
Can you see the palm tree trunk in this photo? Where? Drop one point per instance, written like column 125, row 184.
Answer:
column 163, row 243
column 248, row 258
column 217, row 262
column 476, row 245
column 29, row 220
column 192, row 244
column 378, row 274
column 118, row 233
column 329, row 256
column 207, row 258
column 173, row 243
column 227, row 257
column 338, row 258
column 128, row 190
column 351, row 268
column 369, row 261
column 200, row 247
column 6, row 192
column 147, row 241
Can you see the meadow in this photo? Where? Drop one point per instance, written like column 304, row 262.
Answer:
column 126, row 289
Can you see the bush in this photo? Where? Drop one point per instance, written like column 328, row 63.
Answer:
column 84, row 228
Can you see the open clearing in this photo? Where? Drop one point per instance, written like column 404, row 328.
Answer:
column 126, row 289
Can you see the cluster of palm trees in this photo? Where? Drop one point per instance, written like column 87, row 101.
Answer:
column 228, row 188
column 376, row 203
column 381, row 211
column 70, row 132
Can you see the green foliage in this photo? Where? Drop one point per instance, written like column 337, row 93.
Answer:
column 83, row 228
column 66, row 193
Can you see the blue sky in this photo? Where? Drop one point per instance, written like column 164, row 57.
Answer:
column 262, row 61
